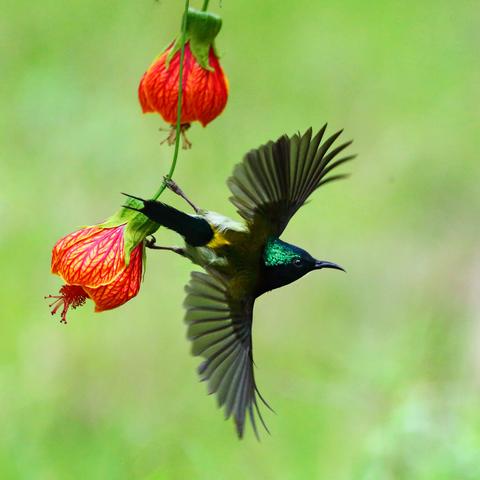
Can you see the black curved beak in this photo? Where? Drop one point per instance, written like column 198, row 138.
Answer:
column 321, row 264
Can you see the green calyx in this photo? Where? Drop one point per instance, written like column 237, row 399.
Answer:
column 202, row 28
column 137, row 228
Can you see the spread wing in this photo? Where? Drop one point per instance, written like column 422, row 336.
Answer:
column 275, row 180
column 220, row 328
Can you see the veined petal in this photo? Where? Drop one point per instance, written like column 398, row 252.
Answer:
column 142, row 97
column 67, row 242
column 157, row 88
column 123, row 288
column 90, row 257
column 207, row 90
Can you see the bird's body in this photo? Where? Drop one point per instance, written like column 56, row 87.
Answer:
column 234, row 251
column 244, row 260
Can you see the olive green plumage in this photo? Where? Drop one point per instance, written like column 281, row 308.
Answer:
column 244, row 260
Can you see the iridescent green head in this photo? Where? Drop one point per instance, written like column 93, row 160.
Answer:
column 278, row 253
column 283, row 263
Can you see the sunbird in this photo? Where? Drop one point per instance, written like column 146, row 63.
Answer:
column 242, row 261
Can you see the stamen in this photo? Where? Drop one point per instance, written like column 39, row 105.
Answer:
column 70, row 296
column 172, row 135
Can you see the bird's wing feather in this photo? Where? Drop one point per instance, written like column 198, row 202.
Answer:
column 275, row 180
column 220, row 328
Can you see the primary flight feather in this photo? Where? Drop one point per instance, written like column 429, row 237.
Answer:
column 244, row 260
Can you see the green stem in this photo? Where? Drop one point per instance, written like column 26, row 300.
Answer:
column 179, row 104
column 205, row 5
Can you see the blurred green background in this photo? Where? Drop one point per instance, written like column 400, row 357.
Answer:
column 374, row 375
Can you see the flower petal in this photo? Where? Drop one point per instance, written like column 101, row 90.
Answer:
column 142, row 97
column 123, row 288
column 158, row 90
column 90, row 257
column 67, row 242
column 208, row 91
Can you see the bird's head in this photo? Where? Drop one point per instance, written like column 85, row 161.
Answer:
column 283, row 263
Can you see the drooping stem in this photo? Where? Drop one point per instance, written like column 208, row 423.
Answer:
column 179, row 104
column 205, row 5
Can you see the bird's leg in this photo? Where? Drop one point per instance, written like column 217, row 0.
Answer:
column 172, row 135
column 151, row 243
column 178, row 250
column 171, row 185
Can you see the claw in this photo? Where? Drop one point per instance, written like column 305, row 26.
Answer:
column 150, row 242
column 171, row 185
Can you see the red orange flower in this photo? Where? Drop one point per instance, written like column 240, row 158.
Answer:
column 103, row 263
column 205, row 87
column 204, row 92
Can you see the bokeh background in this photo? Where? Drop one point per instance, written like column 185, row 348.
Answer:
column 374, row 375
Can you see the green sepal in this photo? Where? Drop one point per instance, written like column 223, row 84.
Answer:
column 202, row 28
column 138, row 226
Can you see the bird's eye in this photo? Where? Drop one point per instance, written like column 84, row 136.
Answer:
column 298, row 262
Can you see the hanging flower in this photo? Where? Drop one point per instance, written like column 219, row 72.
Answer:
column 103, row 263
column 205, row 87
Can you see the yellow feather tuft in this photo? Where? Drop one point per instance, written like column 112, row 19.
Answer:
column 218, row 240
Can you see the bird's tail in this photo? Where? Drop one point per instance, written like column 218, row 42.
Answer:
column 194, row 229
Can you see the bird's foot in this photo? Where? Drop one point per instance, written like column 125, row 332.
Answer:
column 172, row 186
column 151, row 244
column 172, row 136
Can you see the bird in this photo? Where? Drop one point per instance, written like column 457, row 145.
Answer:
column 242, row 260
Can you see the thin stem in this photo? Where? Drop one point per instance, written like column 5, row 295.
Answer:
column 179, row 104
column 205, row 5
